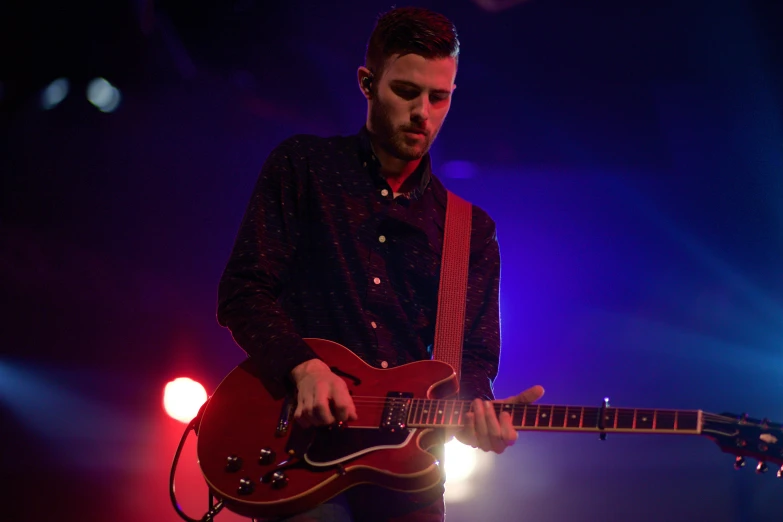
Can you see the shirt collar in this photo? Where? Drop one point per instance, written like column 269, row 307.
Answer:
column 368, row 158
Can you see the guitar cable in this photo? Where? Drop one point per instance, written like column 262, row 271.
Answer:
column 214, row 508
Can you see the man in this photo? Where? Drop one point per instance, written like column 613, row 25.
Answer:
column 342, row 240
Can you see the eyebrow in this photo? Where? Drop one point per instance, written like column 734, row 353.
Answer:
column 406, row 83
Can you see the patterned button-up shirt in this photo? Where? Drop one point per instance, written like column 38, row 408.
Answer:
column 326, row 250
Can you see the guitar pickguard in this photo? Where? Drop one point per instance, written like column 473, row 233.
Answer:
column 335, row 446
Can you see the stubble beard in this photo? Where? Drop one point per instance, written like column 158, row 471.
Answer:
column 394, row 141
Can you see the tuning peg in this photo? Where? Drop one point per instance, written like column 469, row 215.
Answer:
column 780, row 472
column 739, row 462
column 762, row 467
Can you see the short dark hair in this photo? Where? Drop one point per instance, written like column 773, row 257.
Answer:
column 411, row 30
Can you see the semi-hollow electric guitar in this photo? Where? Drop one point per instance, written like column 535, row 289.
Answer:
column 260, row 463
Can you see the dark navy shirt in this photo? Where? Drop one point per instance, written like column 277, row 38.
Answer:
column 325, row 250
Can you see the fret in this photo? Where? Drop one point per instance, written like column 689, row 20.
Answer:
column 542, row 417
column 464, row 407
column 645, row 419
column 419, row 409
column 450, row 420
column 625, row 418
column 439, row 412
column 687, row 421
column 610, row 418
column 531, row 415
column 590, row 417
column 574, row 417
column 432, row 417
column 664, row 420
column 518, row 414
column 425, row 411
column 558, row 416
column 508, row 408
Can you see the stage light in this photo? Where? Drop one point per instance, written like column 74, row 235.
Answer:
column 182, row 398
column 105, row 96
column 460, row 461
column 54, row 93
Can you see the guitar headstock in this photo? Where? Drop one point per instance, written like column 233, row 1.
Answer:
column 745, row 437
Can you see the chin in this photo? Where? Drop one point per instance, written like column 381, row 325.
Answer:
column 408, row 153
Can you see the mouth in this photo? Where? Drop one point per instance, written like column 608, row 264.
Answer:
column 415, row 134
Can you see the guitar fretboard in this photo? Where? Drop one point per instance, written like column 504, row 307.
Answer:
column 431, row 413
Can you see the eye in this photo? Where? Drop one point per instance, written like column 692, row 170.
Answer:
column 438, row 98
column 406, row 94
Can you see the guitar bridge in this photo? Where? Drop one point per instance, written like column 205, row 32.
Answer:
column 395, row 411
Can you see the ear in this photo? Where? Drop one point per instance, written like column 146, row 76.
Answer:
column 365, row 78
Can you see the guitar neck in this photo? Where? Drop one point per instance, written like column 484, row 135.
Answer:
column 433, row 413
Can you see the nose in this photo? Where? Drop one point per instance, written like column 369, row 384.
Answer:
column 421, row 110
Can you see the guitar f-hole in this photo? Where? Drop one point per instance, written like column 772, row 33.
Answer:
column 337, row 371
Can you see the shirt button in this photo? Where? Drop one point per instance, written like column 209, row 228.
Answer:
column 364, row 164
column 384, row 193
column 374, row 324
column 384, row 364
column 377, row 280
column 382, row 239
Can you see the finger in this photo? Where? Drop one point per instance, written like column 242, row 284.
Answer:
column 344, row 407
column 322, row 413
column 480, row 418
column 303, row 407
column 467, row 435
column 494, row 435
column 532, row 394
column 507, row 430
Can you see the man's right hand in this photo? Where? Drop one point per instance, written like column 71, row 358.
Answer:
column 323, row 397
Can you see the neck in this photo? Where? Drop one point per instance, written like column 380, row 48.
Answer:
column 432, row 413
column 395, row 171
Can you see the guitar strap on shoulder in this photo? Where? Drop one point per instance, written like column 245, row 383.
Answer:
column 452, row 290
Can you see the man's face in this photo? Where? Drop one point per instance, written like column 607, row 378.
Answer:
column 411, row 101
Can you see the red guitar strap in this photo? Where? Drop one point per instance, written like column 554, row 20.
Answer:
column 450, row 321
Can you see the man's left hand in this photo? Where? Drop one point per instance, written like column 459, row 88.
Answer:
column 488, row 431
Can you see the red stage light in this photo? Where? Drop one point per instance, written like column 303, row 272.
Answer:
column 182, row 398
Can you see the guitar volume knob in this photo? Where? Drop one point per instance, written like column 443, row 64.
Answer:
column 245, row 486
column 762, row 467
column 279, row 480
column 233, row 464
column 266, row 457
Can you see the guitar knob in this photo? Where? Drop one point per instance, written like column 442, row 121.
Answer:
column 762, row 467
column 279, row 480
column 266, row 457
column 245, row 486
column 739, row 463
column 233, row 464
column 780, row 472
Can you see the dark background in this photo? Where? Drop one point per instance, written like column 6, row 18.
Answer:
column 630, row 152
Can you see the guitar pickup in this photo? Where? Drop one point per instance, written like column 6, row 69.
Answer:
column 395, row 411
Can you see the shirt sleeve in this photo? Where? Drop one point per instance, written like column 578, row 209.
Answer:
column 481, row 348
column 259, row 267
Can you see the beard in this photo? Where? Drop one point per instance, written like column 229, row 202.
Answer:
column 394, row 140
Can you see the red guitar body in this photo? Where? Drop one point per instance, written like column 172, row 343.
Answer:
column 261, row 463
